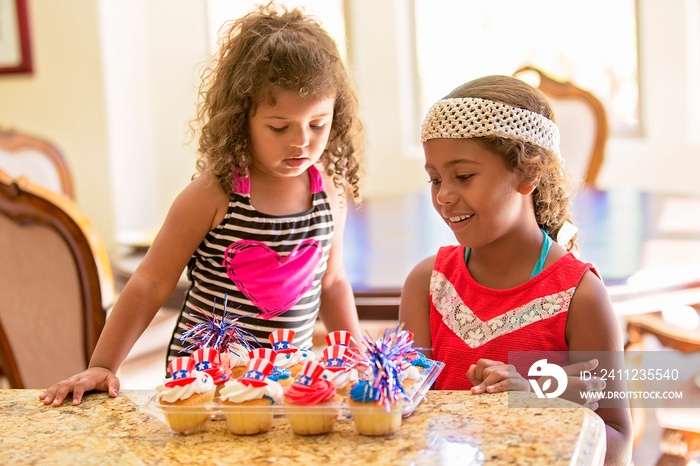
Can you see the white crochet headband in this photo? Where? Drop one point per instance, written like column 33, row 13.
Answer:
column 463, row 118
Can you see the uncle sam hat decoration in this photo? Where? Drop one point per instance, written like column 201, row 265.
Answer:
column 205, row 358
column 335, row 358
column 181, row 370
column 310, row 373
column 339, row 337
column 263, row 353
column 257, row 370
column 282, row 339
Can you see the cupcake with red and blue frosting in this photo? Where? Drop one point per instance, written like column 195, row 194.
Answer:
column 312, row 401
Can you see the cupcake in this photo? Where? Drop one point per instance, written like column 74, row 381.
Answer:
column 311, row 402
column 376, row 404
column 289, row 356
column 338, row 369
column 370, row 416
column 184, row 396
column 235, row 359
column 277, row 374
column 253, row 389
column 208, row 360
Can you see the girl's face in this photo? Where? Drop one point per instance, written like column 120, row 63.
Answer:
column 290, row 136
column 474, row 192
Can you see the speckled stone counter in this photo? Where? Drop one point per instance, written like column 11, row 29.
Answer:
column 447, row 428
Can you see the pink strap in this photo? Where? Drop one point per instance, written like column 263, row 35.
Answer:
column 241, row 184
column 316, row 180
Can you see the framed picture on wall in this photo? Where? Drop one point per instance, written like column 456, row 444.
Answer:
column 15, row 51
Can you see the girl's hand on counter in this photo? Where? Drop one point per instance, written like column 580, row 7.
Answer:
column 95, row 378
column 495, row 376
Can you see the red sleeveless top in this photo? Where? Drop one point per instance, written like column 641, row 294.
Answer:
column 469, row 321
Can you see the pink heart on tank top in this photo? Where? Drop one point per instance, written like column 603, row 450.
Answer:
column 274, row 284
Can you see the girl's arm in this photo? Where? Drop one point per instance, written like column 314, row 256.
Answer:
column 195, row 211
column 338, row 311
column 414, row 311
column 592, row 326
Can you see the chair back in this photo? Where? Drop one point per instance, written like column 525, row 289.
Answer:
column 582, row 122
column 56, row 285
column 37, row 159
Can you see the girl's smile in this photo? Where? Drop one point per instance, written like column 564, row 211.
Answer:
column 474, row 192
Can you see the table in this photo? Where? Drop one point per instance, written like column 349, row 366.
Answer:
column 447, row 428
column 645, row 245
column 621, row 231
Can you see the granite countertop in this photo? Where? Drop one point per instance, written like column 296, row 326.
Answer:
column 449, row 427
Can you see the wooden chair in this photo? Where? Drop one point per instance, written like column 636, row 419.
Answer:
column 56, row 285
column 582, row 122
column 37, row 159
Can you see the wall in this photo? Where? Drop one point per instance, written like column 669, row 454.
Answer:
column 62, row 100
column 152, row 55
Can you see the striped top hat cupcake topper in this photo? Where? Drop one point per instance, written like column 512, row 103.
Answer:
column 339, row 337
column 256, row 371
column 335, row 358
column 181, row 370
column 282, row 339
column 205, row 358
column 263, row 353
column 310, row 372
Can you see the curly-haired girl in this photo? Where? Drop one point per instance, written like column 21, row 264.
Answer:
column 261, row 224
column 512, row 284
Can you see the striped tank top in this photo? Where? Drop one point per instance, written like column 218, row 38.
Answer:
column 269, row 268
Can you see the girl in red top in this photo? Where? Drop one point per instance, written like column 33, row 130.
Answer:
column 492, row 155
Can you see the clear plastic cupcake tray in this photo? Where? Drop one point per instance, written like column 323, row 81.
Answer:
column 186, row 419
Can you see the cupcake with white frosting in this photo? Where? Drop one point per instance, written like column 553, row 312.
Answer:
column 185, row 395
column 245, row 401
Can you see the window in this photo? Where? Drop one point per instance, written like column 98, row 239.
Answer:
column 593, row 44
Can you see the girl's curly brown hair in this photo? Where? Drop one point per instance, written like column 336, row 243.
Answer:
column 269, row 50
column 550, row 197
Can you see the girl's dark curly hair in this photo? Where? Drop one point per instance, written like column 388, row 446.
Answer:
column 269, row 50
column 550, row 197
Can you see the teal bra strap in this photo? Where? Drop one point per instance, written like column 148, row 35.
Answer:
column 546, row 244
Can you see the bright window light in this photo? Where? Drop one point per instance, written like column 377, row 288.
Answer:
column 592, row 44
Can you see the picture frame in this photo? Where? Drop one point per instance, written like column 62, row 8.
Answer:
column 15, row 49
